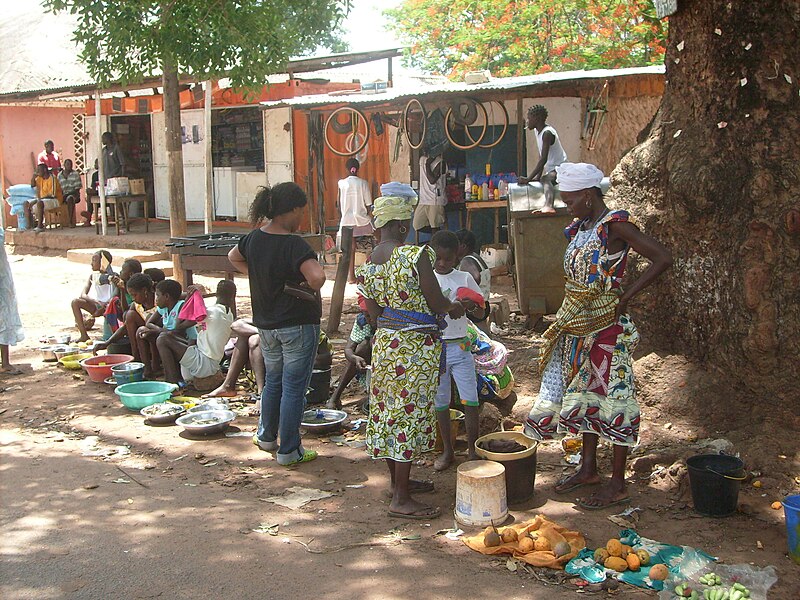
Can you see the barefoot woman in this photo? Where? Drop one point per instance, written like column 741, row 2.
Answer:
column 586, row 357
column 404, row 298
column 11, row 331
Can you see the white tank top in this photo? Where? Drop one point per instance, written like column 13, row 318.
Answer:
column 555, row 155
column 431, row 194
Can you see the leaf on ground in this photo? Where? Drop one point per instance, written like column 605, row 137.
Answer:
column 511, row 565
column 270, row 528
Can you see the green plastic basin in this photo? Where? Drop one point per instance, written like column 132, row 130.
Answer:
column 140, row 394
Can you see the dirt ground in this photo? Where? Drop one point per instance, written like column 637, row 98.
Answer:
column 96, row 504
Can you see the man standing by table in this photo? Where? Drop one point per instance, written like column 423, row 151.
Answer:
column 49, row 157
column 113, row 158
column 429, row 214
column 551, row 155
column 71, row 185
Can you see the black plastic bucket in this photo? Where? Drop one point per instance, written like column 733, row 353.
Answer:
column 715, row 481
column 319, row 388
column 121, row 347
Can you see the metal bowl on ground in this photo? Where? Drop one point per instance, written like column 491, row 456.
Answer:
column 207, row 422
column 323, row 420
column 162, row 413
column 210, row 404
column 61, row 339
column 62, row 351
column 48, row 353
column 128, row 372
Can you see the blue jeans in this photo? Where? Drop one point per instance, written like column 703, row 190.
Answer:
column 289, row 355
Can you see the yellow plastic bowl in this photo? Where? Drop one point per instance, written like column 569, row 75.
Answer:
column 72, row 362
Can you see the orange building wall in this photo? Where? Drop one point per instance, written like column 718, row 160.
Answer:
column 23, row 130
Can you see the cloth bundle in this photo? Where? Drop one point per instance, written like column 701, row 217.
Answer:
column 541, row 526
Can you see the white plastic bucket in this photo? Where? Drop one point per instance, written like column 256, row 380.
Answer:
column 481, row 493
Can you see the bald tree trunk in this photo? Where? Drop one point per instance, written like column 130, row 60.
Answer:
column 718, row 181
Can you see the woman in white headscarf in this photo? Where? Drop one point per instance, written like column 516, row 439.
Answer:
column 586, row 358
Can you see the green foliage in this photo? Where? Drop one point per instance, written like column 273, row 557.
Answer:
column 523, row 37
column 246, row 40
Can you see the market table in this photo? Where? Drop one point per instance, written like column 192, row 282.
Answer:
column 496, row 205
column 123, row 202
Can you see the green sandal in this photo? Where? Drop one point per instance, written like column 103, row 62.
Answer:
column 308, row 456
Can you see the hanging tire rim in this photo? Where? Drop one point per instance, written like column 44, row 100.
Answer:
column 353, row 140
column 504, row 118
column 359, row 131
column 474, row 143
column 415, row 119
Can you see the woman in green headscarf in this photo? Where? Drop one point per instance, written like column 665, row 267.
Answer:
column 405, row 300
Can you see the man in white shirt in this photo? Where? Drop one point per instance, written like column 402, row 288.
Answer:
column 551, row 154
column 187, row 360
column 432, row 198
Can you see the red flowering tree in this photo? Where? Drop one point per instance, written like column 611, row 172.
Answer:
column 451, row 37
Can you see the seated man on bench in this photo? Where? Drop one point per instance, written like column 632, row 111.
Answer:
column 48, row 196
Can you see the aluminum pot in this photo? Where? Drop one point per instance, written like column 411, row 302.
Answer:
column 48, row 353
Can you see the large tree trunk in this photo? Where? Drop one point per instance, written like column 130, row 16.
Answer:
column 177, row 196
column 718, row 181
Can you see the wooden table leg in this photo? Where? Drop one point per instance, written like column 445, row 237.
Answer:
column 469, row 219
column 96, row 211
column 116, row 216
column 146, row 215
column 496, row 225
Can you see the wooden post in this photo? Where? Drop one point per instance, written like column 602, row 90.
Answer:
column 101, row 172
column 521, row 166
column 342, row 271
column 208, row 213
column 177, row 196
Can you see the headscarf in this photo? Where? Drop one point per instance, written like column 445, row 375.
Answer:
column 392, row 208
column 574, row 177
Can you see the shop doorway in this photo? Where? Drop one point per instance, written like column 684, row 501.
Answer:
column 135, row 139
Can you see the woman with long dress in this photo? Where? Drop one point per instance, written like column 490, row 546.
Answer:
column 586, row 358
column 11, row 332
column 404, row 299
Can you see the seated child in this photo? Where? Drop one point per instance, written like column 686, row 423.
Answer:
column 358, row 353
column 246, row 352
column 460, row 364
column 155, row 274
column 143, row 305
column 163, row 319
column 96, row 294
column 130, row 267
column 194, row 360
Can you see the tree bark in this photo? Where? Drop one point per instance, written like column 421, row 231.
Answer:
column 177, row 197
column 717, row 181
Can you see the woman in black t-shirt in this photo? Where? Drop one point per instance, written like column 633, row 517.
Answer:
column 285, row 279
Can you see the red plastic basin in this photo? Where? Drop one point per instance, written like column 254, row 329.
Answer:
column 99, row 367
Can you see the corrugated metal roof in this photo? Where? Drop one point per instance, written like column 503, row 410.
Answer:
column 424, row 88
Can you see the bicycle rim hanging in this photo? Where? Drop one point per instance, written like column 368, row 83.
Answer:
column 503, row 113
column 474, row 143
column 415, row 120
column 358, row 134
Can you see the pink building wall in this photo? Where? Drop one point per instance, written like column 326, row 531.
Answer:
column 23, row 130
